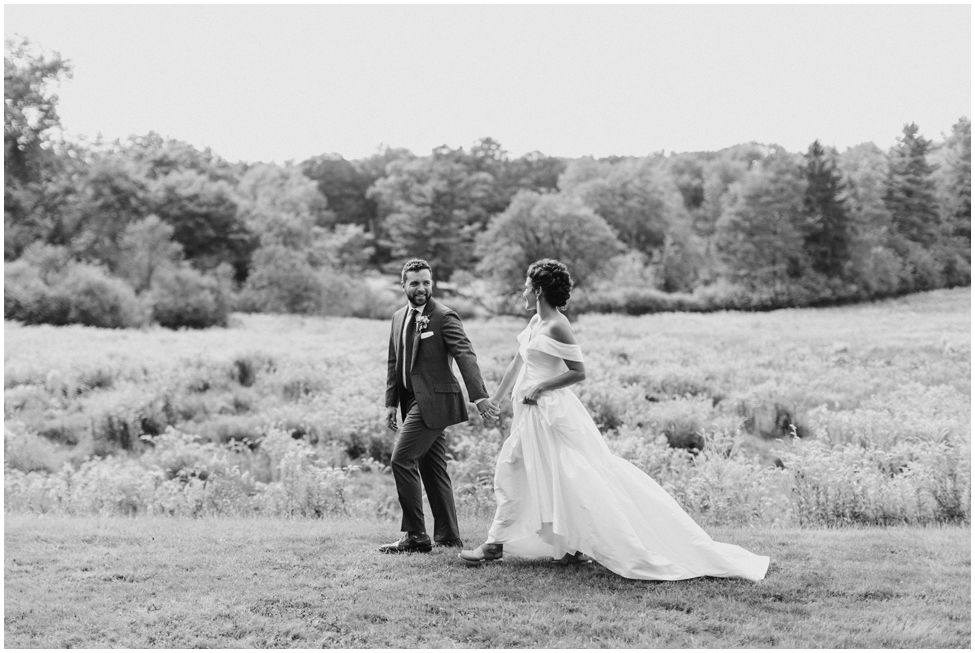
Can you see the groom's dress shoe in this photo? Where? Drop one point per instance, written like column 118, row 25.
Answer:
column 483, row 554
column 455, row 544
column 411, row 543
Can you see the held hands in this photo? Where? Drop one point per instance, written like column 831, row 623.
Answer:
column 488, row 410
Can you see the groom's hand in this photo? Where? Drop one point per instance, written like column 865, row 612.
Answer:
column 391, row 418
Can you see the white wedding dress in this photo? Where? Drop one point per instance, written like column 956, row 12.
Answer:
column 560, row 490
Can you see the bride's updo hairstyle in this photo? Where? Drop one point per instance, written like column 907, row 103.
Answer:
column 553, row 278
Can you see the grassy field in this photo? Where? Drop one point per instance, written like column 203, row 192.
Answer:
column 242, row 583
column 281, row 416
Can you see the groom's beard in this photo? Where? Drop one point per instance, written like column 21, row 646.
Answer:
column 418, row 302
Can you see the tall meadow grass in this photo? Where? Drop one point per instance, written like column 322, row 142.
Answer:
column 835, row 416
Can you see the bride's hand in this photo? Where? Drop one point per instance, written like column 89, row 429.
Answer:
column 532, row 392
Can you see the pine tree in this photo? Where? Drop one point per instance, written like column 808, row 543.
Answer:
column 959, row 176
column 911, row 195
column 827, row 226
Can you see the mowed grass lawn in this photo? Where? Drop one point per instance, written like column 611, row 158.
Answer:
column 234, row 583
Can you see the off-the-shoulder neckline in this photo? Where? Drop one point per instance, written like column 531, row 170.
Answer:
column 558, row 342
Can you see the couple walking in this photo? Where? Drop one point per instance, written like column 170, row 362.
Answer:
column 560, row 491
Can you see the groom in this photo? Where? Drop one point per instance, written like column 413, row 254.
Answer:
column 425, row 336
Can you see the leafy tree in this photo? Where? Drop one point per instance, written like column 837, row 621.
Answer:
column 875, row 266
column 865, row 171
column 827, row 232
column 727, row 167
column 112, row 196
column 719, row 173
column 687, row 170
column 910, row 194
column 680, row 261
column 480, row 197
column 533, row 171
column 146, row 249
column 536, row 226
column 157, row 157
column 347, row 247
column 46, row 210
column 376, row 165
column 344, row 184
column 432, row 207
column 33, row 169
column 759, row 237
column 204, row 217
column 487, row 156
column 282, row 205
column 283, row 281
column 29, row 107
column 49, row 261
column 635, row 196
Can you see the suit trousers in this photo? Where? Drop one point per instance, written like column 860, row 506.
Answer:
column 420, row 454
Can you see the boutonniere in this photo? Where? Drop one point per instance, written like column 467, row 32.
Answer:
column 421, row 322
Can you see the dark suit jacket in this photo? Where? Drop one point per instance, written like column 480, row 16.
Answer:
column 436, row 389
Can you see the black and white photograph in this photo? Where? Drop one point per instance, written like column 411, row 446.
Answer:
column 487, row 326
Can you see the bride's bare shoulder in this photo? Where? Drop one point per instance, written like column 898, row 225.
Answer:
column 561, row 331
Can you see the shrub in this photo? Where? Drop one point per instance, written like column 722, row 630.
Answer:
column 244, row 369
column 100, row 300
column 121, row 417
column 282, row 281
column 957, row 269
column 373, row 304
column 68, row 429
column 46, row 288
column 348, row 296
column 634, row 301
column 879, row 272
column 926, row 273
column 717, row 485
column 27, row 299
column 28, row 452
column 187, row 298
column 611, row 404
column 465, row 307
column 912, row 482
column 231, row 428
column 773, row 421
column 48, row 260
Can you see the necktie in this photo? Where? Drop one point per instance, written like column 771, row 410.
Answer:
column 408, row 349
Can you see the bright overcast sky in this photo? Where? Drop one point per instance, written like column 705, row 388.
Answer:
column 266, row 82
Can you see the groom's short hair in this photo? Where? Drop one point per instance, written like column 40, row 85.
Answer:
column 413, row 265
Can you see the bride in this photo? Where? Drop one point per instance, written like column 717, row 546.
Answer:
column 561, row 492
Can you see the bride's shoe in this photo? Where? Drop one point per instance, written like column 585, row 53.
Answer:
column 485, row 553
column 577, row 558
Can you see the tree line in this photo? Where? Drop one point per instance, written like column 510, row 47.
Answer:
column 153, row 229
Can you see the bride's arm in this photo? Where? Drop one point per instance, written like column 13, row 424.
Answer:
column 575, row 374
column 507, row 381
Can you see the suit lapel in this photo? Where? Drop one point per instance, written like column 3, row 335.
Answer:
column 398, row 318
